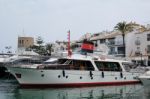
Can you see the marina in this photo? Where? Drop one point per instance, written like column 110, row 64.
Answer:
column 77, row 75
column 83, row 74
column 74, row 49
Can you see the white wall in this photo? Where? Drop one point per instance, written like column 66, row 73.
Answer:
column 130, row 44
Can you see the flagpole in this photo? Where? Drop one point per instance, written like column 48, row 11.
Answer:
column 69, row 51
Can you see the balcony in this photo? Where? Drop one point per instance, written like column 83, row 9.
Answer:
column 137, row 53
column 119, row 43
column 115, row 43
column 137, row 42
column 111, row 42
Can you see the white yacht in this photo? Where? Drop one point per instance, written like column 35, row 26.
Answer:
column 145, row 78
column 75, row 71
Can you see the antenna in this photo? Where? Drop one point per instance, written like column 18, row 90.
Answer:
column 23, row 33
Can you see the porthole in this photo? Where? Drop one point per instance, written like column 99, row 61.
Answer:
column 80, row 77
column 42, row 75
column 66, row 76
column 59, row 76
column 134, row 77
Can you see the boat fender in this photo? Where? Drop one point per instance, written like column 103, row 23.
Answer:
column 102, row 74
column 91, row 74
column 63, row 72
column 121, row 75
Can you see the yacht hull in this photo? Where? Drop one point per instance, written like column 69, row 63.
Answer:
column 31, row 77
column 145, row 80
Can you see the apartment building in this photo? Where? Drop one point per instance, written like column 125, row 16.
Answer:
column 138, row 46
column 108, row 42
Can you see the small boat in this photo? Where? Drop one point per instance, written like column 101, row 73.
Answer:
column 145, row 78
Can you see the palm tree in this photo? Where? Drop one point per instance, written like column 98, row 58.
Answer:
column 124, row 27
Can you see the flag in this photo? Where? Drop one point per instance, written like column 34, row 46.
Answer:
column 87, row 46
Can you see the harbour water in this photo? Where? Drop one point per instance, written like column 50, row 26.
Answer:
column 9, row 89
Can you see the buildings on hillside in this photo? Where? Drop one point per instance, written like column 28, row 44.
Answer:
column 109, row 43
column 137, row 44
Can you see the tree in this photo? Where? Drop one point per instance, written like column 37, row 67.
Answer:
column 74, row 46
column 8, row 49
column 49, row 48
column 124, row 27
column 39, row 48
column 39, row 41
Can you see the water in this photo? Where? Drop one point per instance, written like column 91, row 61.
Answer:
column 9, row 89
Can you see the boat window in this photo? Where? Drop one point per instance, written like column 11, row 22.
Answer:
column 72, row 65
column 108, row 66
column 52, row 62
column 26, row 61
column 62, row 61
column 68, row 61
column 128, row 66
column 81, row 65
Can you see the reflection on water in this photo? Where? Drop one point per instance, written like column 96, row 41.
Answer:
column 9, row 89
column 109, row 92
column 145, row 92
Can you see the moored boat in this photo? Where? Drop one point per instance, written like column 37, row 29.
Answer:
column 145, row 78
column 75, row 71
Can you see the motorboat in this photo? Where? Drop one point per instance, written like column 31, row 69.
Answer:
column 76, row 70
column 145, row 78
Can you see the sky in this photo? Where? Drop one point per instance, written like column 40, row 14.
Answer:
column 51, row 19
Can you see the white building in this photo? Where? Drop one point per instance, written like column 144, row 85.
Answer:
column 59, row 48
column 108, row 42
column 138, row 46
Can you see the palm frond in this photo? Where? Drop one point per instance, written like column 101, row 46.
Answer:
column 124, row 27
